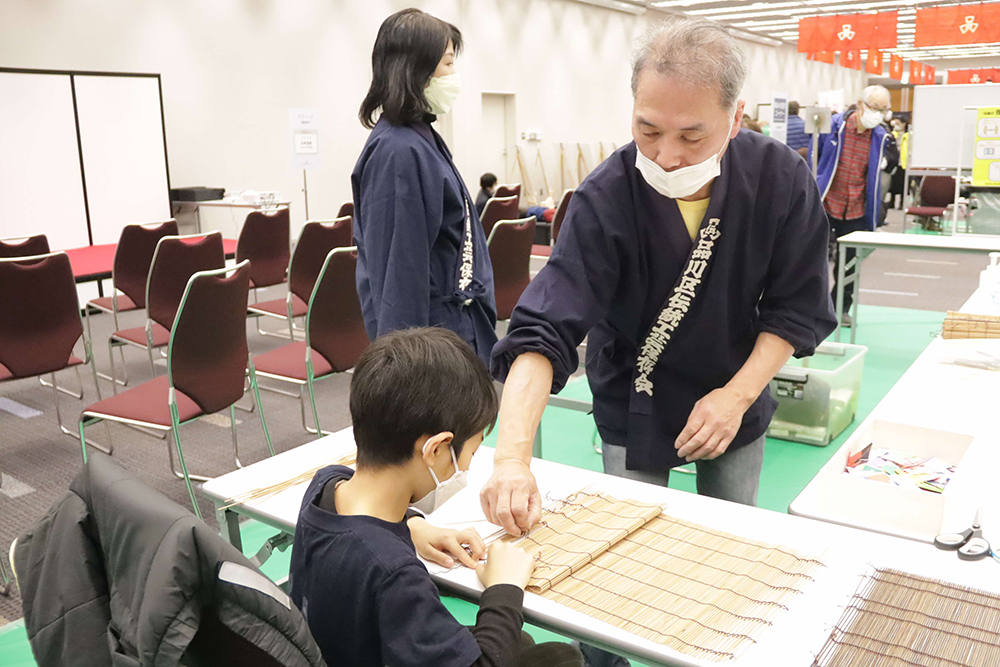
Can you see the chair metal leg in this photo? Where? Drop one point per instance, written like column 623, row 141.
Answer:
column 275, row 390
column 260, row 409
column 174, row 426
column 312, row 398
column 232, row 429
column 63, row 390
column 90, row 337
column 5, row 586
column 68, row 432
column 83, row 440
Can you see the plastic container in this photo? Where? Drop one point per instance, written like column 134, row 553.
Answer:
column 818, row 396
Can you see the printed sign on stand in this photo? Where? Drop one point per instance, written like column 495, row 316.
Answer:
column 779, row 116
column 986, row 168
column 304, row 124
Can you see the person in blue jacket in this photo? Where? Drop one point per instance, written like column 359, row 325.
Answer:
column 422, row 254
column 849, row 171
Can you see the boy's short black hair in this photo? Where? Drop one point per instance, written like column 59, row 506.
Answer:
column 487, row 180
column 413, row 383
column 408, row 48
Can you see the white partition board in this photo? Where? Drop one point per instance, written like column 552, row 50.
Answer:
column 121, row 130
column 939, row 117
column 41, row 191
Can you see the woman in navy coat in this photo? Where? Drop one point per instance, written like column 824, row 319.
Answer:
column 422, row 255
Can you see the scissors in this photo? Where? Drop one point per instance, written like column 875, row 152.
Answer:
column 970, row 543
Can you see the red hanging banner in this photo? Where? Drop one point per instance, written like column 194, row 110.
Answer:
column 916, row 72
column 929, row 75
column 896, row 67
column 822, row 57
column 958, row 24
column 842, row 32
column 987, row 75
column 850, row 59
column 874, row 64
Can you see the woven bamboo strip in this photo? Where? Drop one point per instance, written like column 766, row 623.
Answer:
column 702, row 592
column 265, row 492
column 902, row 619
column 964, row 325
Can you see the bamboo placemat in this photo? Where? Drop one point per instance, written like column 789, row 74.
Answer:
column 964, row 325
column 702, row 592
column 265, row 492
column 900, row 619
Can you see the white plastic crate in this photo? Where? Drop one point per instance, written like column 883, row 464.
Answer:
column 818, row 396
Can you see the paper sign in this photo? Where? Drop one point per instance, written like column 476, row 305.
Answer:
column 779, row 116
column 304, row 124
column 986, row 167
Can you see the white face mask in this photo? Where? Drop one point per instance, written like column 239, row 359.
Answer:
column 441, row 93
column 442, row 490
column 682, row 182
column 870, row 118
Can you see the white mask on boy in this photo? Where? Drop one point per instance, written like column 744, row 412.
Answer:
column 442, row 490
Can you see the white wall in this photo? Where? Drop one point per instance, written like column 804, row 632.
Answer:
column 232, row 68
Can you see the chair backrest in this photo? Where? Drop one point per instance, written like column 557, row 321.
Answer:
column 560, row 214
column 509, row 190
column 346, row 209
column 39, row 314
column 317, row 239
column 24, row 246
column 175, row 260
column 134, row 255
column 938, row 191
column 207, row 356
column 498, row 208
column 510, row 251
column 264, row 241
column 335, row 325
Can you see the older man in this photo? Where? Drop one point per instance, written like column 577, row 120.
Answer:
column 695, row 259
column 849, row 171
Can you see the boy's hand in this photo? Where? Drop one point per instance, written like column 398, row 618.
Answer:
column 506, row 564
column 435, row 544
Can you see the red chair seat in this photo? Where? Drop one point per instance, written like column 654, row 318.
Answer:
column 278, row 307
column 146, row 403
column 254, row 285
column 927, row 211
column 137, row 335
column 541, row 250
column 5, row 373
column 289, row 361
column 106, row 303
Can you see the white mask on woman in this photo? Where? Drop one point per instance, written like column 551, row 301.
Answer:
column 442, row 490
column 682, row 182
column 870, row 118
column 441, row 93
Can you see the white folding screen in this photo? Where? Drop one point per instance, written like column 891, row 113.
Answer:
column 943, row 131
column 124, row 159
column 41, row 191
column 80, row 150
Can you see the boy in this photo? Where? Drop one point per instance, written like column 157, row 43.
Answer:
column 420, row 402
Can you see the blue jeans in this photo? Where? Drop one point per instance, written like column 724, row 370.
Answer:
column 734, row 476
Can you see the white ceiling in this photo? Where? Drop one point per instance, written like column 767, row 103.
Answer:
column 778, row 20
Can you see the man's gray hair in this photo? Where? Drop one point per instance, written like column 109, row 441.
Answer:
column 698, row 52
column 868, row 93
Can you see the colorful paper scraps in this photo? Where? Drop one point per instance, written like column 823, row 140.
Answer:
column 899, row 468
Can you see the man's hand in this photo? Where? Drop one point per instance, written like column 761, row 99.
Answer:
column 713, row 424
column 510, row 497
column 443, row 546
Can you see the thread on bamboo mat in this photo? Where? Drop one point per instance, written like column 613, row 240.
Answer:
column 702, row 592
column 905, row 619
column 263, row 493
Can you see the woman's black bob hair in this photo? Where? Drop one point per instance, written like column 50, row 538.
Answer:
column 408, row 48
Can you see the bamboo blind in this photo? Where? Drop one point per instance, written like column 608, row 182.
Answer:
column 963, row 325
column 900, row 619
column 265, row 492
column 702, row 592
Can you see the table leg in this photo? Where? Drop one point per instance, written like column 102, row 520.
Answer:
column 229, row 526
column 856, row 291
column 841, row 260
